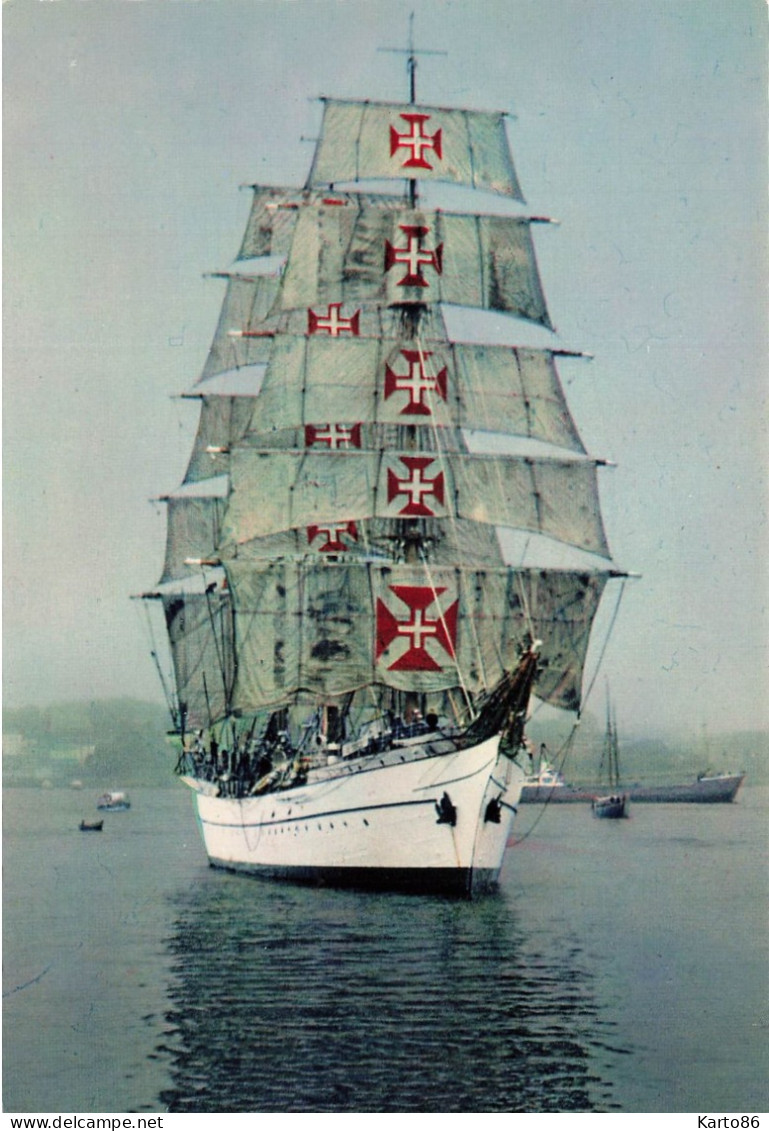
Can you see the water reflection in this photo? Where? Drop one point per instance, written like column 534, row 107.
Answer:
column 294, row 1000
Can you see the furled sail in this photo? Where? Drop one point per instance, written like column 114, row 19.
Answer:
column 378, row 140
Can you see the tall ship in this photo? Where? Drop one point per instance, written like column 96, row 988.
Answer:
column 387, row 541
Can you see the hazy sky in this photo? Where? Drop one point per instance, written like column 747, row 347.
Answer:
column 129, row 126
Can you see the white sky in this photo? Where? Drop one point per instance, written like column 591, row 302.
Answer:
column 129, row 126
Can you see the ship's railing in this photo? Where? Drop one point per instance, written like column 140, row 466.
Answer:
column 258, row 769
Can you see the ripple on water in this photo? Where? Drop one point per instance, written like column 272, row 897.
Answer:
column 289, row 1000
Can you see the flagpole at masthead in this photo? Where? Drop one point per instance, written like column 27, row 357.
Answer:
column 411, row 64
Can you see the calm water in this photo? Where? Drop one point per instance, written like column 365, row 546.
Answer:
column 622, row 967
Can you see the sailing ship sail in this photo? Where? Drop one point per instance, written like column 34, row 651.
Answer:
column 358, row 587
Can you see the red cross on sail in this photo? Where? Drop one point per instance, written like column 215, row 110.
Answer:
column 418, row 382
column 333, row 537
column 417, row 630
column 416, row 486
column 332, row 323
column 332, row 436
column 414, row 256
column 416, row 141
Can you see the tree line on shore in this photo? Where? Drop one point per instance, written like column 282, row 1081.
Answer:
column 126, row 742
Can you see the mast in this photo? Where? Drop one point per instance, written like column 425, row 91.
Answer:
column 610, row 754
column 411, row 53
column 411, row 537
column 615, row 747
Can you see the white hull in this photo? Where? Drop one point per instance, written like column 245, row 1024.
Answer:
column 373, row 822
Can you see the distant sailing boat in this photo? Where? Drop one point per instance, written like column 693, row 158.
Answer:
column 359, row 588
column 613, row 804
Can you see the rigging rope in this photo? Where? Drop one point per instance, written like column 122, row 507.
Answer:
column 562, row 755
column 431, row 583
column 153, row 653
column 441, row 453
column 568, row 744
column 586, row 696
